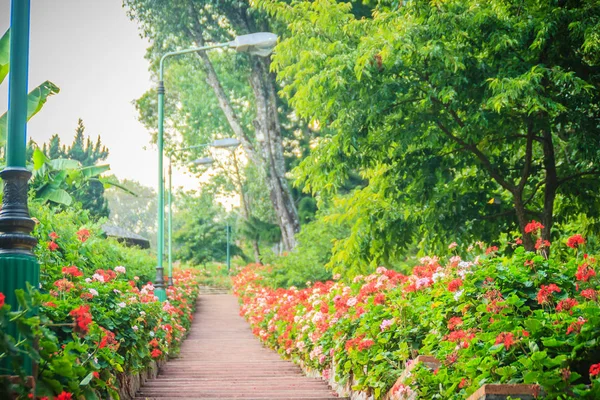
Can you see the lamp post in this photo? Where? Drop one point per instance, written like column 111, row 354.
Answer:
column 18, row 265
column 218, row 143
column 260, row 44
column 232, row 144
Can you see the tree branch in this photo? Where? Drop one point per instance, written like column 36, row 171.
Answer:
column 528, row 157
column 482, row 158
column 577, row 175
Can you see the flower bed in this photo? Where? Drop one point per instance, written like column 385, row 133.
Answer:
column 97, row 323
column 488, row 317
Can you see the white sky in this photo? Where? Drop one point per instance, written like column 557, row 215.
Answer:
column 94, row 54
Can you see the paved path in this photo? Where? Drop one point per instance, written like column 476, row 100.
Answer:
column 221, row 359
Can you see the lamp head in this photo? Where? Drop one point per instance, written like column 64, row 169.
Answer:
column 204, row 161
column 258, row 44
column 224, row 143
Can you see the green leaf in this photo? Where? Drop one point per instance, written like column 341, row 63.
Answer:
column 87, row 379
column 39, row 159
column 35, row 100
column 4, row 55
column 61, row 164
column 60, row 196
column 94, row 170
column 110, row 183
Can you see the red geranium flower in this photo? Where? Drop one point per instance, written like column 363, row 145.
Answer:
column 589, row 294
column 53, row 236
column 584, row 272
column 2, row 297
column 83, row 235
column 595, row 369
column 156, row 353
column 64, row 285
column 64, row 396
column 546, row 291
column 540, row 244
column 454, row 322
column 506, row 338
column 575, row 240
column 83, row 318
column 533, row 226
column 52, row 246
column 566, row 305
column 454, row 285
column 72, row 270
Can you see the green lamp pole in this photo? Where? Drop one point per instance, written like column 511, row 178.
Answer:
column 260, row 44
column 18, row 265
column 219, row 143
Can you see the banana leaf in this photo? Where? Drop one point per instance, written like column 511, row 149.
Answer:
column 35, row 100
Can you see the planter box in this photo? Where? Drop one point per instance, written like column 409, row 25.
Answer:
column 130, row 384
column 429, row 362
column 502, row 392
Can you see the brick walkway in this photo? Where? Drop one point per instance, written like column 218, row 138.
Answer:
column 221, row 359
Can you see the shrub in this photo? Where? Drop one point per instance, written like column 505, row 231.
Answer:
column 489, row 318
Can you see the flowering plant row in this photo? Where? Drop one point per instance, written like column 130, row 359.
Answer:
column 95, row 322
column 488, row 317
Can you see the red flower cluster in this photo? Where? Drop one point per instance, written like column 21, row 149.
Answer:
column 64, row 396
column 575, row 240
column 83, row 318
column 108, row 339
column 454, row 322
column 83, row 235
column 589, row 294
column 546, row 291
column 53, row 235
column 541, row 244
column 107, row 274
column 491, row 249
column 64, row 285
column 359, row 343
column 595, row 369
column 156, row 353
column 576, row 326
column 533, row 226
column 72, row 270
column 506, row 338
column 566, row 305
column 2, row 297
column 584, row 272
column 455, row 284
column 52, row 246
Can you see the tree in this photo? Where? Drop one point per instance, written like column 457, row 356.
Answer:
column 136, row 213
column 186, row 23
column 464, row 117
column 88, row 154
column 200, row 228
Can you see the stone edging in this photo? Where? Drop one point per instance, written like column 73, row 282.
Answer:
column 485, row 392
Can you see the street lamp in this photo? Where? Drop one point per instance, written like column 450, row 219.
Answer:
column 218, row 143
column 18, row 264
column 260, row 44
column 232, row 144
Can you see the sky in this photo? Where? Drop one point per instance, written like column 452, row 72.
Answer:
column 93, row 52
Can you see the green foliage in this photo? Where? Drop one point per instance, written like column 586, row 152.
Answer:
column 487, row 316
column 199, row 232
column 88, row 154
column 465, row 119
column 52, row 178
column 95, row 251
column 134, row 209
column 307, row 263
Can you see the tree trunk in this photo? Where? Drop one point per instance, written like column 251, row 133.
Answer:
column 245, row 207
column 268, row 134
column 551, row 184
